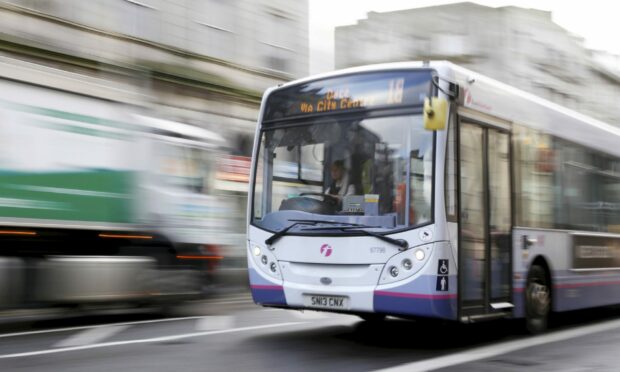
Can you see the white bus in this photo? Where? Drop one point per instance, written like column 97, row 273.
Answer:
column 486, row 202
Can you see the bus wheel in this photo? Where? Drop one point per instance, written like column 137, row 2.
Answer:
column 537, row 300
column 372, row 317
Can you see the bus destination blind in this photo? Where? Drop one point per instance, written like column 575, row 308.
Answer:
column 350, row 92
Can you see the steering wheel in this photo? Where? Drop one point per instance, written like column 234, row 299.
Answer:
column 326, row 205
column 327, row 198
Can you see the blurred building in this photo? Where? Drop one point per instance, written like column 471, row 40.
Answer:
column 199, row 62
column 520, row 47
column 208, row 60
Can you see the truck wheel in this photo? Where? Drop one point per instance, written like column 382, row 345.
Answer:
column 537, row 300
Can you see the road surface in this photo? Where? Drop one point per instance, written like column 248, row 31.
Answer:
column 232, row 334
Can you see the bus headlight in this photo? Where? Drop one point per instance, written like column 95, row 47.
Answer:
column 264, row 260
column 405, row 264
column 419, row 254
column 256, row 250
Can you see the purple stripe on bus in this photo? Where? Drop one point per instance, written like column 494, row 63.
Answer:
column 417, row 295
column 589, row 294
column 576, row 285
column 518, row 301
column 586, row 284
column 265, row 291
column 412, row 305
column 268, row 294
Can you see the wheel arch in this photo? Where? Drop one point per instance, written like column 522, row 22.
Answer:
column 543, row 262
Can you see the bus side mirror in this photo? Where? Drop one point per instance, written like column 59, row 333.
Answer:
column 435, row 113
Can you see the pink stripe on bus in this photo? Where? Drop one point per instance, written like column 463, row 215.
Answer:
column 267, row 287
column 586, row 284
column 577, row 285
column 417, row 295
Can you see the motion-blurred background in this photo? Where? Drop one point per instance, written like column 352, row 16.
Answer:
column 126, row 126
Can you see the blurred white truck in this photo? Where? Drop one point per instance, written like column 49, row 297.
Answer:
column 100, row 201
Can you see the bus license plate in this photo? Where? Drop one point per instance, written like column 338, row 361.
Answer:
column 326, row 302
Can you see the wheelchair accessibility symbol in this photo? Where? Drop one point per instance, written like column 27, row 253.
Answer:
column 443, row 267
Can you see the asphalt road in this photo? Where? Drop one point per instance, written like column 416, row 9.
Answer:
column 231, row 334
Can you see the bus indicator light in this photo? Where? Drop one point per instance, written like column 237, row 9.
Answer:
column 407, row 264
column 394, row 271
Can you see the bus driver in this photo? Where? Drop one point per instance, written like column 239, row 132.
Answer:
column 340, row 186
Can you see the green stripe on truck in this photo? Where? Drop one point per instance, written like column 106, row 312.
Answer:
column 98, row 195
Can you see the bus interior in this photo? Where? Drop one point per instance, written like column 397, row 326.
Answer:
column 351, row 169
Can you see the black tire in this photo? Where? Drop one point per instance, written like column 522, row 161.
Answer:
column 372, row 317
column 537, row 300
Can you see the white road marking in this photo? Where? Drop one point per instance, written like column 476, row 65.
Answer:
column 486, row 352
column 91, row 336
column 239, row 301
column 213, row 323
column 309, row 315
column 300, row 314
column 53, row 330
column 148, row 340
column 312, row 314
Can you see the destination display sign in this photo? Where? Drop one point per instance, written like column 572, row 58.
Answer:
column 349, row 93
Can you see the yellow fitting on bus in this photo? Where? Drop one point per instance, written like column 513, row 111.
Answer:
column 435, row 113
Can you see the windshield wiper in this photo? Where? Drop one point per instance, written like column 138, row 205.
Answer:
column 331, row 222
column 402, row 244
column 272, row 239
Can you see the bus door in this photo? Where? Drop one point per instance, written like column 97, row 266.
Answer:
column 485, row 221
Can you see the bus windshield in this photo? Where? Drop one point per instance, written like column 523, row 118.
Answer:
column 370, row 171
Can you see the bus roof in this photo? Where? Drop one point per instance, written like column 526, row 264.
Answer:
column 491, row 97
